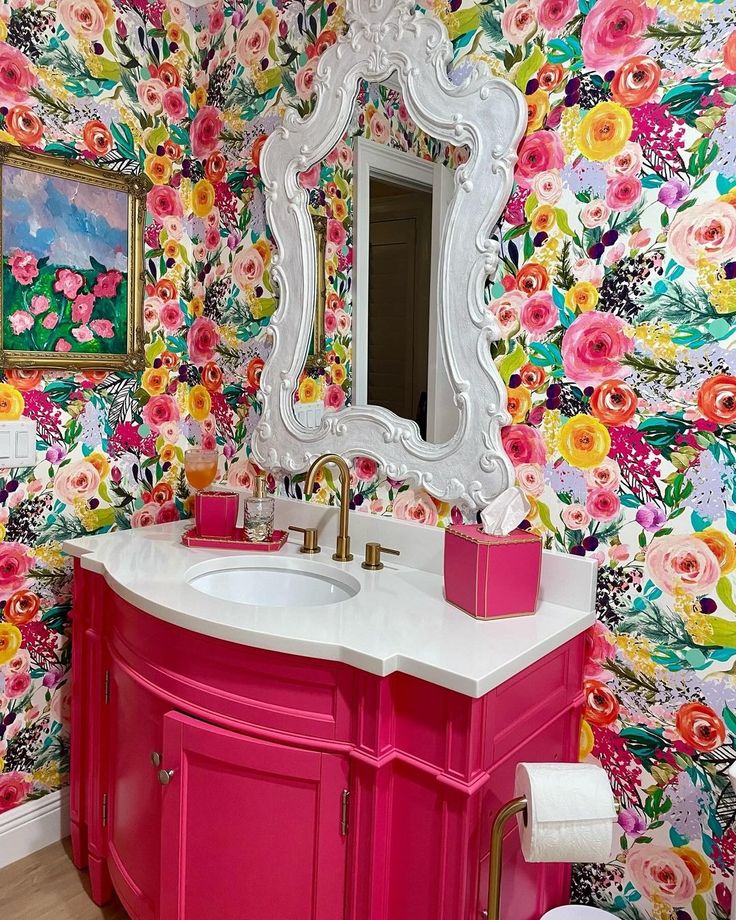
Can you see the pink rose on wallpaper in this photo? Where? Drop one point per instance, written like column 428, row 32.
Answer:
column 82, row 308
column 242, row 473
column 660, row 873
column 539, row 313
column 593, row 346
column 554, row 15
column 77, row 480
column 82, row 18
column 21, row 321
column 681, row 561
column 23, row 266
column 380, row 128
column 248, row 268
column 523, row 444
column 253, row 42
column 415, row 505
column 145, row 516
column 39, row 303
column 539, row 152
column 614, row 30
column 310, row 177
column 623, row 192
column 151, row 95
column 15, row 564
column 103, row 328
column 160, row 409
column 174, row 104
column 575, row 517
column 603, row 505
column 16, row 685
column 16, row 76
column 304, row 81
column 334, row 397
column 68, row 282
column 594, row 214
column 164, row 202
column 107, row 283
column 598, row 650
column 202, row 340
column 626, row 163
column 336, row 235
column 518, row 22
column 170, row 316
column 205, row 131
column 330, row 321
column 208, row 442
column 605, row 476
column 365, row 468
column 705, row 230
column 14, row 787
column 50, row 320
column 62, row 345
column 82, row 334
column 507, row 310
column 530, row 478
column 167, row 513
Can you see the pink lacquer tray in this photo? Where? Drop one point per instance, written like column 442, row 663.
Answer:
column 190, row 538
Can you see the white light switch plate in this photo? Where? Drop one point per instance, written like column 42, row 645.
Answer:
column 17, row 443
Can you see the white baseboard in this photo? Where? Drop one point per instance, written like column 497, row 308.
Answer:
column 33, row 826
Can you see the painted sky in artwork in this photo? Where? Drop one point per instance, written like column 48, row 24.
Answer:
column 64, row 219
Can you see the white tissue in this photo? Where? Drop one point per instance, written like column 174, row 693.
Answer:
column 569, row 815
column 505, row 512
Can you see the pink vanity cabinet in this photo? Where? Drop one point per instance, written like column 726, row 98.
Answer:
column 215, row 781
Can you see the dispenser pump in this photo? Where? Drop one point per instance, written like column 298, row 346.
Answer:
column 261, row 490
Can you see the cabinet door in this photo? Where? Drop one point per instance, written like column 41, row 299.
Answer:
column 251, row 830
column 135, row 718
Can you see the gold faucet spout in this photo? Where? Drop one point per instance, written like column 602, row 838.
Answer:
column 342, row 551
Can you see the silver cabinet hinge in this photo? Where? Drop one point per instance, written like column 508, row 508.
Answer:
column 344, row 805
column 107, row 686
column 104, row 810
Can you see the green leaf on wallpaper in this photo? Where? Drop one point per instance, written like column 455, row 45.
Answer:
column 464, row 21
column 562, row 222
column 545, row 516
column 699, row 908
column 564, row 49
column 156, row 138
column 724, row 590
column 511, row 362
column 730, row 719
column 723, row 632
column 529, row 67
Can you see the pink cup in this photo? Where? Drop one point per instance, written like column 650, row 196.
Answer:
column 216, row 514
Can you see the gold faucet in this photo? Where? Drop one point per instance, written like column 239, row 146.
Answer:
column 342, row 550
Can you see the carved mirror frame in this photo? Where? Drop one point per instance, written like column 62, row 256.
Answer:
column 484, row 113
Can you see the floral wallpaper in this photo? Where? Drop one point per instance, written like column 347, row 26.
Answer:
column 615, row 294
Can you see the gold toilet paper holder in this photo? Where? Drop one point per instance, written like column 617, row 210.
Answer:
column 504, row 815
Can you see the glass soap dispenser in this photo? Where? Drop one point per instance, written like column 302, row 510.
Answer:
column 259, row 513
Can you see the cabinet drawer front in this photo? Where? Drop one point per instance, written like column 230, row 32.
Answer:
column 250, row 829
column 285, row 693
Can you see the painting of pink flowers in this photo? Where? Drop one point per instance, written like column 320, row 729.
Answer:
column 65, row 265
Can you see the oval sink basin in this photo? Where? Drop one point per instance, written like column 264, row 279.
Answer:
column 272, row 583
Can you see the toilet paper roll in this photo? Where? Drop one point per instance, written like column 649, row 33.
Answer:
column 569, row 815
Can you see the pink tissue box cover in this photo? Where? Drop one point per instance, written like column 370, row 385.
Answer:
column 489, row 576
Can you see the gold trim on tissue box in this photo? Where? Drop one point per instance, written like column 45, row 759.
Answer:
column 498, row 540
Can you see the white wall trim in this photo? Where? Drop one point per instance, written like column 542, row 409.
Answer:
column 33, row 826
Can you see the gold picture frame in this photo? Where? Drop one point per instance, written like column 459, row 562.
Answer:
column 315, row 358
column 39, row 308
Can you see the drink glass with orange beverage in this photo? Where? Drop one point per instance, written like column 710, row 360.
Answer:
column 200, row 467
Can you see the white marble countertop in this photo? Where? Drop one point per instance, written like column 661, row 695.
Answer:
column 398, row 621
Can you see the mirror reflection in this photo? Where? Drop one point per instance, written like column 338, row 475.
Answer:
column 378, row 202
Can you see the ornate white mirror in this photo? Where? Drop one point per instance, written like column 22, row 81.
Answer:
column 382, row 196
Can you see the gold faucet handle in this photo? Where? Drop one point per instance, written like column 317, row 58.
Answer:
column 311, row 539
column 372, row 560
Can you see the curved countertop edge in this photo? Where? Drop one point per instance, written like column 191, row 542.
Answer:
column 462, row 678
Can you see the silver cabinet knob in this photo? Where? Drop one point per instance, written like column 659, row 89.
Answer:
column 156, row 759
column 165, row 776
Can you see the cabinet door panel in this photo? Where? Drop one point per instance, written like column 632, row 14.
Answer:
column 251, row 830
column 134, row 804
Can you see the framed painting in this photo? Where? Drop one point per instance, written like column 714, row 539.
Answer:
column 72, row 286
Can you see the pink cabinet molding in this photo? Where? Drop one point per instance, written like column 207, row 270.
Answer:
column 216, row 780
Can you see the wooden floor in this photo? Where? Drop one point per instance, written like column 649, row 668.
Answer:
column 47, row 886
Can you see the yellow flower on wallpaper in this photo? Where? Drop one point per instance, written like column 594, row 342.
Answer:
column 338, row 374
column 584, row 442
column 604, row 131
column 10, row 639
column 12, row 403
column 203, row 197
column 100, row 462
column 587, row 741
column 519, row 402
column 582, row 297
column 543, row 218
column 308, row 390
column 537, row 104
column 722, row 547
column 200, row 402
column 155, row 380
column 158, row 169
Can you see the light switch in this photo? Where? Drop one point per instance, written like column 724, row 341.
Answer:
column 17, row 443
